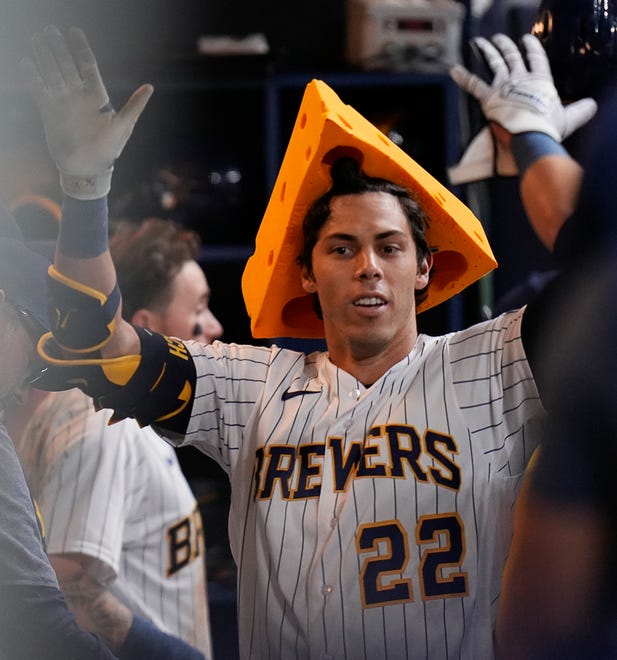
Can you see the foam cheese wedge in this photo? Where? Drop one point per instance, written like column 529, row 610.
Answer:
column 326, row 128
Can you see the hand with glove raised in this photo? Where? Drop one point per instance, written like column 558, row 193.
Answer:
column 521, row 98
column 84, row 134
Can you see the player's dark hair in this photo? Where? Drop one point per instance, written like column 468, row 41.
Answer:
column 348, row 179
column 148, row 255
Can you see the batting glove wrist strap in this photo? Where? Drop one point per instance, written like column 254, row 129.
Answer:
column 86, row 187
column 154, row 387
column 82, row 319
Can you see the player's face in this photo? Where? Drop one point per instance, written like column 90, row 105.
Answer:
column 16, row 353
column 188, row 315
column 365, row 272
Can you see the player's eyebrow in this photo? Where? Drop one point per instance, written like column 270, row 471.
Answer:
column 391, row 233
column 342, row 236
column 339, row 236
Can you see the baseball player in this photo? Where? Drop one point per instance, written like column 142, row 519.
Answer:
column 117, row 508
column 372, row 484
column 35, row 621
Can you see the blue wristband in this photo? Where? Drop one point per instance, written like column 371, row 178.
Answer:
column 84, row 228
column 145, row 641
column 529, row 147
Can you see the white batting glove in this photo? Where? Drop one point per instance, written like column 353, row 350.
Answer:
column 84, row 134
column 520, row 99
column 484, row 158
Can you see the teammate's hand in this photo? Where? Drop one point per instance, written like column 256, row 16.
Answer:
column 84, row 134
column 521, row 97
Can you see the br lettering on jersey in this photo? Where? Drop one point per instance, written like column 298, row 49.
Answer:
column 388, row 451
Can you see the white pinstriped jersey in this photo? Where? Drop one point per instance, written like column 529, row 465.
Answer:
column 370, row 523
column 117, row 494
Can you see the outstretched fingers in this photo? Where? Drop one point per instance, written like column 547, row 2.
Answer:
column 133, row 108
column 34, row 81
column 469, row 82
column 46, row 65
column 577, row 114
column 88, row 66
column 493, row 58
column 536, row 56
column 511, row 54
column 60, row 51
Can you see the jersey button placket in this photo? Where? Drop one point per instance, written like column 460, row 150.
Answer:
column 355, row 394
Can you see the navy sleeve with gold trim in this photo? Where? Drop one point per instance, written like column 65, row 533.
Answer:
column 155, row 387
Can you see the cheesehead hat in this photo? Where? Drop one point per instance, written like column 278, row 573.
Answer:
column 276, row 303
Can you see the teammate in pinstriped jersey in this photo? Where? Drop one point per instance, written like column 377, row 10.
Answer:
column 113, row 498
column 35, row 619
column 372, row 484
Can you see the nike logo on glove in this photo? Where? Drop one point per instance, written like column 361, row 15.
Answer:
column 290, row 394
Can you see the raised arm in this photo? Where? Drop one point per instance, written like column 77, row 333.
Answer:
column 528, row 122
column 552, row 599
column 85, row 136
column 135, row 372
column 549, row 184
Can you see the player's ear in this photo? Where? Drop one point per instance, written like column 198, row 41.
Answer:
column 308, row 281
column 424, row 270
column 145, row 318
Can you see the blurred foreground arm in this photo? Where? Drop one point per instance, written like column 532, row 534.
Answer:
column 132, row 371
column 85, row 136
column 558, row 592
column 555, row 572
